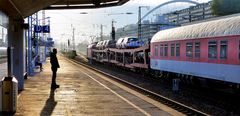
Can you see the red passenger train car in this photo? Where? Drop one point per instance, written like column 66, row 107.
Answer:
column 210, row 50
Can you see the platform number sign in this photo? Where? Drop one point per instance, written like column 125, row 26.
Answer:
column 40, row 29
column 37, row 28
column 46, row 29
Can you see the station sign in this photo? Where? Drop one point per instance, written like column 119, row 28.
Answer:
column 37, row 28
column 41, row 29
column 46, row 29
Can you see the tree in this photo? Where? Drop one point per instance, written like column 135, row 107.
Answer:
column 225, row 7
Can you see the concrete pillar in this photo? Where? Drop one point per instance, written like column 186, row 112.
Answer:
column 16, row 40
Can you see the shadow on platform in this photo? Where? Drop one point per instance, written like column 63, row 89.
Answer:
column 49, row 105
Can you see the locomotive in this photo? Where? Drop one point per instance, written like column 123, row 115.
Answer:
column 208, row 51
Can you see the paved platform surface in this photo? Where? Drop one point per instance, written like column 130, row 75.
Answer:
column 81, row 92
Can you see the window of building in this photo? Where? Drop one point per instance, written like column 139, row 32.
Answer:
column 166, row 50
column 161, row 50
column 212, row 49
column 177, row 49
column 189, row 49
column 197, row 49
column 223, row 49
column 156, row 50
column 172, row 49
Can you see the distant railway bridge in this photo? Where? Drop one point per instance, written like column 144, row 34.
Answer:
column 166, row 3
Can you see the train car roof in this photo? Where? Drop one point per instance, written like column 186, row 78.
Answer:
column 222, row 27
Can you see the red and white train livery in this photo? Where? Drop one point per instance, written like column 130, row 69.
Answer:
column 210, row 50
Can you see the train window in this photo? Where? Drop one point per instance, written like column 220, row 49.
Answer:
column 156, row 50
column 172, row 49
column 197, row 50
column 166, row 50
column 212, row 49
column 189, row 49
column 223, row 49
column 177, row 49
column 161, row 50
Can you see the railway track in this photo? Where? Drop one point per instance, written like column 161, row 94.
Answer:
column 164, row 100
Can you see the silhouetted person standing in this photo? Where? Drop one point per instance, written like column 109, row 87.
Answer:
column 55, row 66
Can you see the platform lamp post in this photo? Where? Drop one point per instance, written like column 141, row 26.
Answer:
column 139, row 21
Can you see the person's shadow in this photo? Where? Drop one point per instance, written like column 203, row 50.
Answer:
column 49, row 105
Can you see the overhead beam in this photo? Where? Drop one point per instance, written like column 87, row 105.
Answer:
column 25, row 8
column 86, row 6
column 121, row 2
column 29, row 7
column 10, row 10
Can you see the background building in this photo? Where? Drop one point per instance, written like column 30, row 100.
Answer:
column 169, row 20
column 148, row 29
column 194, row 13
column 126, row 31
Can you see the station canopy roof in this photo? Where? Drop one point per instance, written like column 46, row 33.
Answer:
column 24, row 8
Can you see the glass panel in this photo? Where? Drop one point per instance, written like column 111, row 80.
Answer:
column 223, row 50
column 172, row 49
column 212, row 49
column 166, row 50
column 161, row 50
column 197, row 50
column 177, row 49
column 189, row 49
column 156, row 50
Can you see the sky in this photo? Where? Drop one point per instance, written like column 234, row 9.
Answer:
column 88, row 25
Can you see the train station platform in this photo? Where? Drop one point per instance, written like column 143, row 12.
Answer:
column 82, row 92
